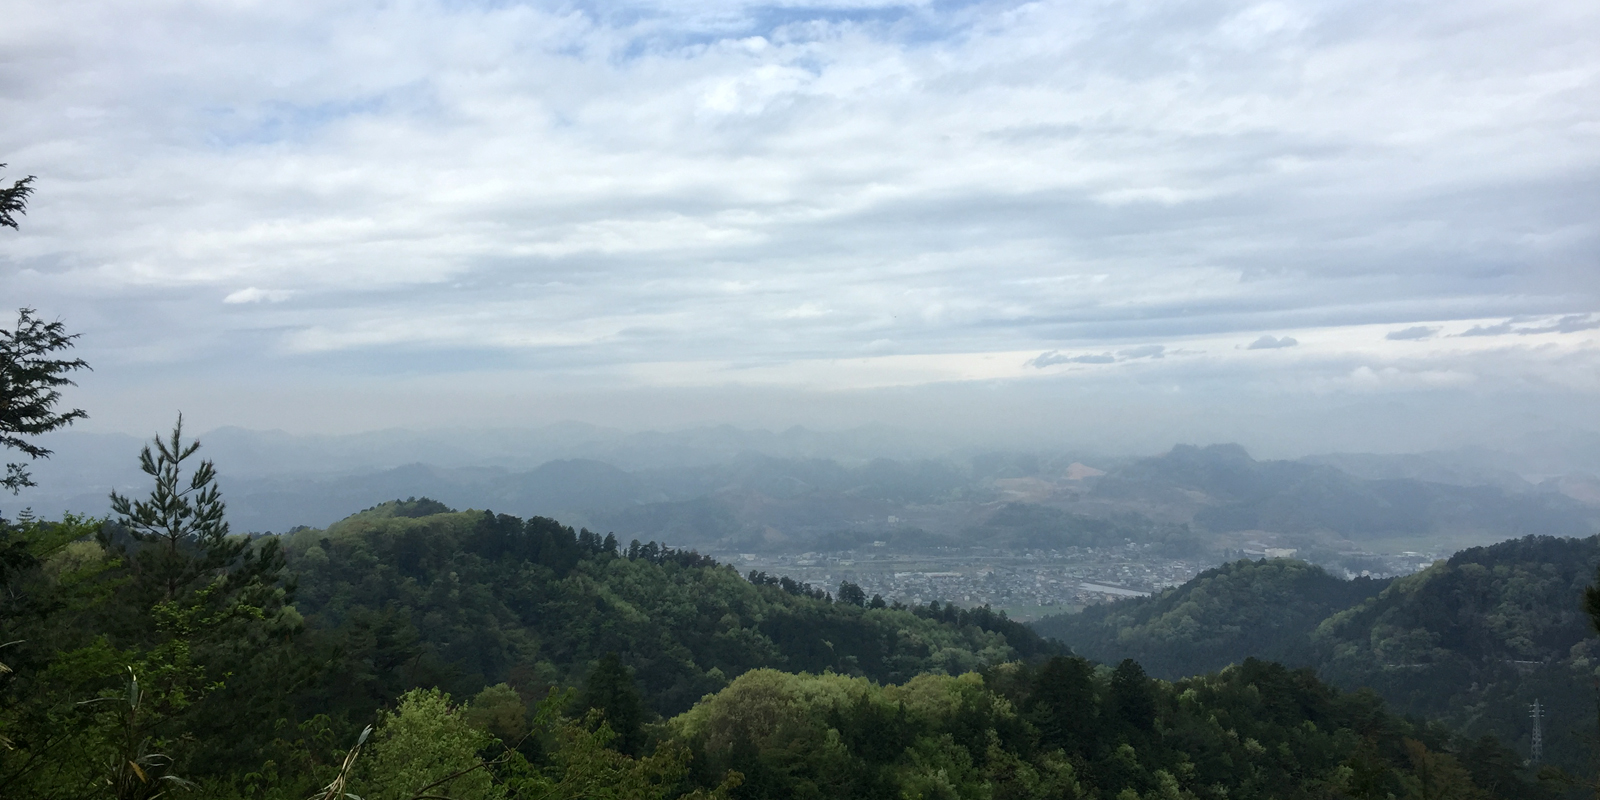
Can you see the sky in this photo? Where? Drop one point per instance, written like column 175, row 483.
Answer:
column 1306, row 226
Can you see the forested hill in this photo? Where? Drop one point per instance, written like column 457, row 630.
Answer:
column 1472, row 640
column 138, row 669
column 1476, row 639
column 1266, row 609
column 471, row 598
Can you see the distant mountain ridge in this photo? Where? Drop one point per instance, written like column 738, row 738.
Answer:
column 1473, row 468
column 728, row 488
column 1227, row 490
column 257, row 453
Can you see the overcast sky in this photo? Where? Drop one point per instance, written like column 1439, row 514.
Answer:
column 1340, row 225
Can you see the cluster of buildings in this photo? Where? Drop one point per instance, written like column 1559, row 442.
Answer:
column 1027, row 585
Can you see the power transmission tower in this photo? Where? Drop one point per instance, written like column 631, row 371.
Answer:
column 1537, row 712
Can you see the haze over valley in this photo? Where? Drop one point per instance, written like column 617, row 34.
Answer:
column 901, row 514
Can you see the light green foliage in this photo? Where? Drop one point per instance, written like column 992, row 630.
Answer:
column 52, row 586
column 1254, row 731
column 1048, row 775
column 937, row 736
column 81, row 602
column 498, row 710
column 584, row 765
column 133, row 771
column 426, row 746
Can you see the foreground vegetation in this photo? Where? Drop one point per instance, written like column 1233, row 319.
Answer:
column 494, row 657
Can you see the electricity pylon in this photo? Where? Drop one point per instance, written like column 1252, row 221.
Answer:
column 1537, row 712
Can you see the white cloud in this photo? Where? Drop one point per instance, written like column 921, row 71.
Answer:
column 636, row 187
column 253, row 295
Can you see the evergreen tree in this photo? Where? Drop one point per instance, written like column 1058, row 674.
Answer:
column 1591, row 602
column 1133, row 702
column 611, row 691
column 210, row 612
column 177, row 522
column 1064, row 705
column 31, row 376
column 14, row 200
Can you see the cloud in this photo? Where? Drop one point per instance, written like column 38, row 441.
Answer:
column 1267, row 342
column 1571, row 323
column 254, row 295
column 1365, row 378
column 1411, row 334
column 589, row 190
column 1568, row 324
column 1488, row 330
column 1143, row 351
column 1055, row 357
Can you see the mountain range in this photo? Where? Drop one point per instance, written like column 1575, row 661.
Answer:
column 725, row 488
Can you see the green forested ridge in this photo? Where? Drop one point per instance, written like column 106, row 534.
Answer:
column 1267, row 609
column 484, row 598
column 1471, row 640
column 1067, row 729
column 1475, row 639
column 454, row 634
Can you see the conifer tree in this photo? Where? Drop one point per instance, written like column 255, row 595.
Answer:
column 610, row 689
column 31, row 377
column 14, row 200
column 1064, row 704
column 177, row 520
column 1132, row 699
